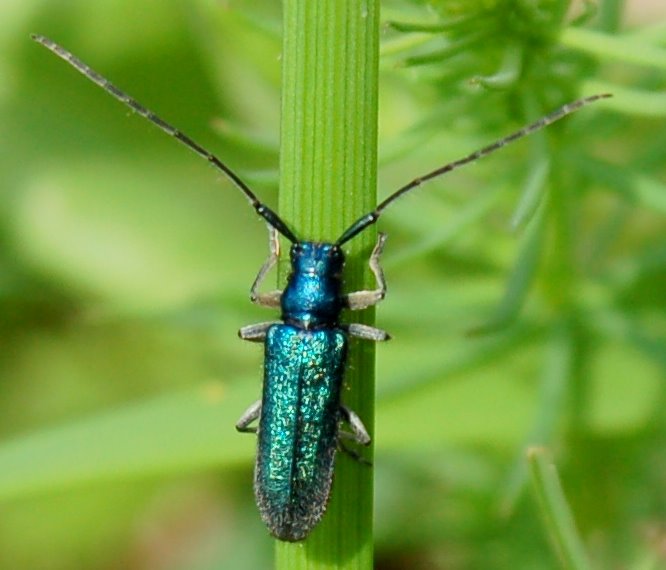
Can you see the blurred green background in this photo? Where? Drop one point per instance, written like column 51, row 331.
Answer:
column 126, row 263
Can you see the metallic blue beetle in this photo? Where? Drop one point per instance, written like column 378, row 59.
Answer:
column 300, row 410
column 306, row 350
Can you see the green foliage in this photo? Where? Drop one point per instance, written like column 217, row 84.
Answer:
column 526, row 293
column 556, row 512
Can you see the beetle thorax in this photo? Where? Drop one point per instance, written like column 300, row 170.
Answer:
column 313, row 295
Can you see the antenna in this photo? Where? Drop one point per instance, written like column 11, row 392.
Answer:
column 370, row 218
column 264, row 211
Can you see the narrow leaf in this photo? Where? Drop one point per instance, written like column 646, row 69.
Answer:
column 616, row 49
column 519, row 281
column 532, row 193
column 555, row 377
column 175, row 433
column 555, row 510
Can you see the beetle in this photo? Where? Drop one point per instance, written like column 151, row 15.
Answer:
column 300, row 413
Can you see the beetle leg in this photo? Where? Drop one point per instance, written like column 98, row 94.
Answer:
column 363, row 299
column 249, row 415
column 367, row 332
column 353, row 454
column 359, row 433
column 272, row 298
column 342, row 434
column 257, row 331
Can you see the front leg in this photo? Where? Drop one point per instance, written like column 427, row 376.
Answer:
column 363, row 299
column 272, row 298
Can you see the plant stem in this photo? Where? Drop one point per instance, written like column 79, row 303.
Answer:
column 327, row 180
column 555, row 510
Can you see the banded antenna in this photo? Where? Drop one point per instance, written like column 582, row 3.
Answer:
column 370, row 218
column 264, row 211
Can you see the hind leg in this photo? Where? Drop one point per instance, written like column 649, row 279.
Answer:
column 249, row 415
column 359, row 434
column 354, row 454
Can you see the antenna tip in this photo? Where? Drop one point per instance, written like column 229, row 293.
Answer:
column 39, row 39
column 598, row 96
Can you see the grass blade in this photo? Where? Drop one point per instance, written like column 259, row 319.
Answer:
column 556, row 513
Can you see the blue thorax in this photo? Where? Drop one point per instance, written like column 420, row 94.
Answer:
column 313, row 295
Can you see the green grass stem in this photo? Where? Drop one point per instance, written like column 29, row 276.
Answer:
column 556, row 512
column 328, row 179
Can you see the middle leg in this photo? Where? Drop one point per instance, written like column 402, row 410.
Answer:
column 256, row 332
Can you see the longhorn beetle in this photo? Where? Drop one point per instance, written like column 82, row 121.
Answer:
column 300, row 411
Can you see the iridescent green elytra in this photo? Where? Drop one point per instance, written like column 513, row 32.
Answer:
column 300, row 412
column 304, row 363
column 300, row 415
